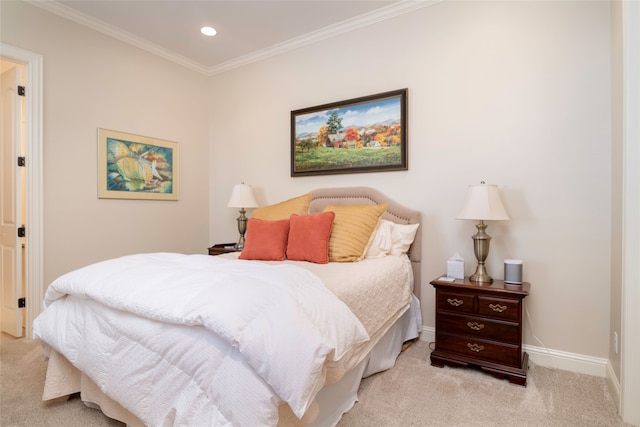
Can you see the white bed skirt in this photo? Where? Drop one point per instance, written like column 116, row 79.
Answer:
column 338, row 398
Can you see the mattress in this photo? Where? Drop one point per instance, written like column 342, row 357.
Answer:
column 377, row 292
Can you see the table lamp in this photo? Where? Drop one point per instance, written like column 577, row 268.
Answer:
column 483, row 204
column 242, row 197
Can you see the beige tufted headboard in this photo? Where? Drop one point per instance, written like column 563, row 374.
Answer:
column 369, row 196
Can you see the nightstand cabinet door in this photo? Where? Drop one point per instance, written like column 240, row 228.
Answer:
column 481, row 325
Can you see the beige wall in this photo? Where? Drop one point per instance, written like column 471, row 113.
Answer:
column 92, row 81
column 514, row 93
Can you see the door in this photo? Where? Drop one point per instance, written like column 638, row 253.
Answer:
column 11, row 203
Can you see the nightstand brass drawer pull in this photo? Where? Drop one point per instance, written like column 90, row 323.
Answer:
column 475, row 347
column 455, row 302
column 497, row 307
column 475, row 326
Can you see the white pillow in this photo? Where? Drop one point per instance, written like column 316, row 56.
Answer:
column 389, row 238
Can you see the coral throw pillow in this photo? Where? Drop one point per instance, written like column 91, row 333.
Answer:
column 283, row 210
column 266, row 240
column 352, row 229
column 309, row 237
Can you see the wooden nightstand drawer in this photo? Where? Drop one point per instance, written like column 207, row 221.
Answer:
column 481, row 324
column 456, row 302
column 501, row 308
column 482, row 350
column 479, row 328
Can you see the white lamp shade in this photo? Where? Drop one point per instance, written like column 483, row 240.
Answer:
column 483, row 203
column 242, row 197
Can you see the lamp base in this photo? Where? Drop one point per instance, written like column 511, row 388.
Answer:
column 242, row 228
column 240, row 245
column 481, row 276
column 481, row 241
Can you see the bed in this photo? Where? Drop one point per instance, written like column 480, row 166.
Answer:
column 281, row 342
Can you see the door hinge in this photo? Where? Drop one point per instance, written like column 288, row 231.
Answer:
column 22, row 302
column 21, row 90
column 22, row 161
column 22, row 231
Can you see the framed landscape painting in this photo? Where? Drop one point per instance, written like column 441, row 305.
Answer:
column 367, row 134
column 136, row 167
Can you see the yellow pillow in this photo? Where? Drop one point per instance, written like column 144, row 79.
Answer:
column 283, row 210
column 352, row 228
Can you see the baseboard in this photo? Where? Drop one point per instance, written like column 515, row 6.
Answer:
column 555, row 359
column 614, row 386
column 428, row 334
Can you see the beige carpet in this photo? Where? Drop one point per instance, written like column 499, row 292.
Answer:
column 412, row 394
column 22, row 373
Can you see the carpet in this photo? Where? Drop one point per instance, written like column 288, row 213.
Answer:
column 413, row 393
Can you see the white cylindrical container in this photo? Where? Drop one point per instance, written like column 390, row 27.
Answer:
column 513, row 271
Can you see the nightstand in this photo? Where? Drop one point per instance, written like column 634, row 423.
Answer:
column 481, row 324
column 222, row 248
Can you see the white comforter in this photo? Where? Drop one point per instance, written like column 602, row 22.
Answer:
column 280, row 324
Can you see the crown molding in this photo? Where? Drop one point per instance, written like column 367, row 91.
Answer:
column 100, row 26
column 382, row 14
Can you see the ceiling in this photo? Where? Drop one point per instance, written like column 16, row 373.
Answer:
column 246, row 30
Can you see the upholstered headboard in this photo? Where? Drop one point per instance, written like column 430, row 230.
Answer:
column 369, row 196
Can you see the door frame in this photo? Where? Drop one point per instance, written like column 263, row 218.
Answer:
column 630, row 346
column 34, row 195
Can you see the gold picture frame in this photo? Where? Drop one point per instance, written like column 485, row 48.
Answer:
column 136, row 167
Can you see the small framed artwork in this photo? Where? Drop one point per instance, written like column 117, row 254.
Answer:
column 136, row 167
column 367, row 134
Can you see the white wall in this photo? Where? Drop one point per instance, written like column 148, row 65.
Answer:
column 92, row 81
column 513, row 93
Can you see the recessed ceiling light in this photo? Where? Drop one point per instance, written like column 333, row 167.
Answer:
column 208, row 31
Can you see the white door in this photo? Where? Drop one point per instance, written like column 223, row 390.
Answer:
column 11, row 206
